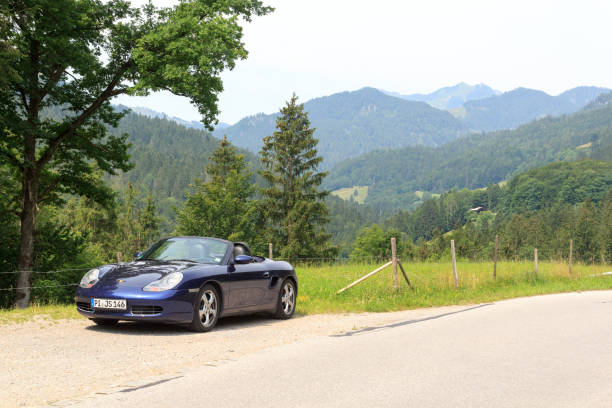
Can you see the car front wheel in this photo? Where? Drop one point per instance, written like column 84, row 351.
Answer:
column 286, row 300
column 206, row 309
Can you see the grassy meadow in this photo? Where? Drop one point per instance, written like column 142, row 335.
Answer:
column 432, row 281
column 434, row 284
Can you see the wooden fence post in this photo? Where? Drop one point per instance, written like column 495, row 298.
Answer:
column 571, row 253
column 535, row 259
column 270, row 252
column 454, row 263
column 119, row 257
column 495, row 257
column 394, row 261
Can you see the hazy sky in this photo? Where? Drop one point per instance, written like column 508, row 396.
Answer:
column 320, row 47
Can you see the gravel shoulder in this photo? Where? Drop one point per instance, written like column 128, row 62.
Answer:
column 45, row 362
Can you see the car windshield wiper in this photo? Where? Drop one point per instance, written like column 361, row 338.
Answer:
column 179, row 260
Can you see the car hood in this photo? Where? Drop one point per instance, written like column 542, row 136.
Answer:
column 140, row 273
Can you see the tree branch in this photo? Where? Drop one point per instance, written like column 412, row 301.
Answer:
column 24, row 100
column 106, row 94
column 48, row 190
column 118, row 92
column 58, row 70
column 12, row 159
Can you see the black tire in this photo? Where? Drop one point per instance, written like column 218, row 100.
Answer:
column 105, row 322
column 287, row 299
column 205, row 316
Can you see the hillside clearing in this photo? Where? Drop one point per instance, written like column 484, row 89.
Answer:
column 359, row 193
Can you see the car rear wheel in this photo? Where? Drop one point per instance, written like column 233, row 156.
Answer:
column 206, row 309
column 105, row 322
column 286, row 300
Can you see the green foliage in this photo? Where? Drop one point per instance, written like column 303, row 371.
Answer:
column 78, row 55
column 535, row 209
column 223, row 206
column 476, row 160
column 373, row 242
column 346, row 218
column 149, row 222
column 294, row 206
column 167, row 157
column 586, row 244
column 569, row 183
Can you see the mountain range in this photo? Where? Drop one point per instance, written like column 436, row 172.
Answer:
column 169, row 156
column 187, row 123
column 514, row 108
column 398, row 178
column 398, row 151
column 451, row 96
column 352, row 123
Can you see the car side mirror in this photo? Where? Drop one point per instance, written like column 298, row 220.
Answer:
column 137, row 255
column 243, row 259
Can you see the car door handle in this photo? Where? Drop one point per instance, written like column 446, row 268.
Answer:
column 266, row 274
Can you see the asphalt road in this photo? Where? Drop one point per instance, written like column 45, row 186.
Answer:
column 547, row 351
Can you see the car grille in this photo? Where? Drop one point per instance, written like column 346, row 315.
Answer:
column 146, row 309
column 84, row 306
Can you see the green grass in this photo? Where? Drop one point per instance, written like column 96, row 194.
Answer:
column 41, row 312
column 433, row 286
column 348, row 192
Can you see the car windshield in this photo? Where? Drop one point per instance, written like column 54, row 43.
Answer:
column 201, row 250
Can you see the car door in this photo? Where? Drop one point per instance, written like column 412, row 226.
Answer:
column 248, row 286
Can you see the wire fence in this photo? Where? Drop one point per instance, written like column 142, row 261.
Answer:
column 48, row 272
column 40, row 287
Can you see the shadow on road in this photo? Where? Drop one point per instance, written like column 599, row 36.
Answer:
column 161, row 329
column 407, row 322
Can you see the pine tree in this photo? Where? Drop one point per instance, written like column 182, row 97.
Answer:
column 605, row 228
column 222, row 206
column 294, row 205
column 129, row 225
column 585, row 243
column 149, row 222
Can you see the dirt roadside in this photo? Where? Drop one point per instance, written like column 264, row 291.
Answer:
column 43, row 362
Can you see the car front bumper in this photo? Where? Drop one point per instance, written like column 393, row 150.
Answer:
column 169, row 306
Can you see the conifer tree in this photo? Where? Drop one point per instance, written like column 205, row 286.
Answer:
column 149, row 222
column 605, row 228
column 222, row 206
column 585, row 243
column 294, row 205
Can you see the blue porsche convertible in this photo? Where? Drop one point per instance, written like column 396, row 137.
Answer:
column 188, row 280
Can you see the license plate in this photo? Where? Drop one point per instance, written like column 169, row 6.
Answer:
column 120, row 304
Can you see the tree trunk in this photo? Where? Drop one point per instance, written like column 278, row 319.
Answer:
column 26, row 246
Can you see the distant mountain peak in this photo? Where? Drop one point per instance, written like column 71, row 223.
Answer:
column 450, row 97
column 521, row 105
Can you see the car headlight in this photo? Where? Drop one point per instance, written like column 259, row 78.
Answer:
column 90, row 278
column 167, row 282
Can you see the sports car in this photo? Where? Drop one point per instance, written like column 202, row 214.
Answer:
column 188, row 280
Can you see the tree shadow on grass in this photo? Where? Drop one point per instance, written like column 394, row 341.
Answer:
column 407, row 322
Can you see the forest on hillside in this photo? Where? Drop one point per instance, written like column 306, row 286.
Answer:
column 476, row 160
column 352, row 123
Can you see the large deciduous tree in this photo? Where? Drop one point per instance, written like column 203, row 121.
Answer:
column 79, row 54
column 295, row 208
